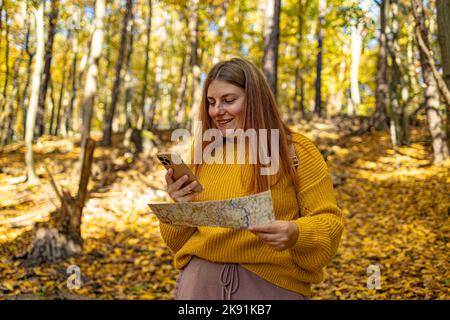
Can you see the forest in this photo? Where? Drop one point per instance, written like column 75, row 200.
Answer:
column 91, row 90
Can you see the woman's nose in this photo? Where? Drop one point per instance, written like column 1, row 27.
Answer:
column 219, row 110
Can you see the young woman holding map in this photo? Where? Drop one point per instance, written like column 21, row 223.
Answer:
column 278, row 260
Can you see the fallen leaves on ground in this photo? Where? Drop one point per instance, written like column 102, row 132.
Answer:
column 395, row 204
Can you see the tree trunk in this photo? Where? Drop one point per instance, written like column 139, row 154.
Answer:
column 2, row 5
column 271, row 42
column 443, row 19
column 439, row 140
column 299, row 80
column 180, row 108
column 68, row 119
column 128, row 110
column 4, row 101
column 61, row 237
column 379, row 117
column 32, row 110
column 27, row 81
column 142, row 115
column 61, row 92
column 220, row 28
column 53, row 17
column 320, row 35
column 159, row 70
column 8, row 133
column 107, row 129
column 90, row 87
column 52, row 105
column 340, row 81
column 194, row 62
column 356, row 47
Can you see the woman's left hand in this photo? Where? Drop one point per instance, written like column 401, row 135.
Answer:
column 279, row 235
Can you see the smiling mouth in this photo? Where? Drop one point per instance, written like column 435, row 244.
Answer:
column 223, row 122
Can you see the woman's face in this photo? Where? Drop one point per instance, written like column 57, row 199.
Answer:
column 226, row 105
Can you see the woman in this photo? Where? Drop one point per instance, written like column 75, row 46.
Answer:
column 279, row 260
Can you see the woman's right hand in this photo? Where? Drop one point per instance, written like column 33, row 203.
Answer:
column 176, row 192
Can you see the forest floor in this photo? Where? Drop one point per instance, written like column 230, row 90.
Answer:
column 396, row 208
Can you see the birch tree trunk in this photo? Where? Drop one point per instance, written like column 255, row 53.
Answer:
column 439, row 139
column 90, row 87
column 36, row 83
column 28, row 76
column 443, row 19
column 356, row 47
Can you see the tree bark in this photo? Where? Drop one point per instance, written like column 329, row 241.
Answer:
column 220, row 28
column 52, row 104
column 356, row 47
column 379, row 117
column 142, row 116
column 158, row 76
column 271, row 42
column 107, row 129
column 129, row 123
column 4, row 101
column 2, row 5
column 73, row 95
column 8, row 133
column 320, row 35
column 194, row 62
column 32, row 110
column 299, row 83
column 439, row 140
column 396, row 83
column 443, row 19
column 90, row 88
column 180, row 108
column 53, row 17
column 61, row 92
column 61, row 237
column 27, row 81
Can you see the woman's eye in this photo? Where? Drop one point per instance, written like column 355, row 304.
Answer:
column 230, row 101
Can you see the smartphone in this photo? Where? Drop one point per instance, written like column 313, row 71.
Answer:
column 174, row 161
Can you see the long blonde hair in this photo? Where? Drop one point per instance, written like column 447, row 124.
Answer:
column 260, row 112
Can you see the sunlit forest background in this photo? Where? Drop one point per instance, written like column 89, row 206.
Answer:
column 90, row 91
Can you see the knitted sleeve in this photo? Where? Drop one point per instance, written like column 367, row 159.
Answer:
column 321, row 223
column 175, row 236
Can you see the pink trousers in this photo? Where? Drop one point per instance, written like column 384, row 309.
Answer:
column 205, row 280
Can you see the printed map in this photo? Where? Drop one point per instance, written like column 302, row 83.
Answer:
column 240, row 212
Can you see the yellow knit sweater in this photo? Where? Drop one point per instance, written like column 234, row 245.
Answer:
column 320, row 223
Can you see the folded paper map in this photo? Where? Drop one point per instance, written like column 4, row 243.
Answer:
column 231, row 213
